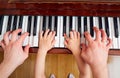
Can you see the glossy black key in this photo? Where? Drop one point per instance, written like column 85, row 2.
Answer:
column 1, row 24
column 35, row 26
column 70, row 23
column 9, row 23
column 29, row 25
column 50, row 23
column 91, row 26
column 85, row 24
column 100, row 22
column 64, row 24
column 79, row 25
column 107, row 26
column 55, row 26
column 20, row 22
column 44, row 23
column 14, row 23
column 116, row 27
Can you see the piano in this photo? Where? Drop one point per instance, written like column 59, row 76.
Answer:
column 61, row 16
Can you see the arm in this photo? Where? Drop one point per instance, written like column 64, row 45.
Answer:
column 46, row 42
column 96, row 53
column 14, row 54
column 73, row 44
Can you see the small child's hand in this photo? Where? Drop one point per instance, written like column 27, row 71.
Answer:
column 73, row 42
column 96, row 52
column 46, row 41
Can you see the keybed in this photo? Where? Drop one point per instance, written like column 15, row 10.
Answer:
column 60, row 24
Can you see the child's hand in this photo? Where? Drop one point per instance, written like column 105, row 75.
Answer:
column 47, row 40
column 96, row 53
column 73, row 42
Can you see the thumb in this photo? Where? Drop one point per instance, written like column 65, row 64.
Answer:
column 26, row 49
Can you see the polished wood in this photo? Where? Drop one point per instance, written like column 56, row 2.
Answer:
column 65, row 51
column 61, row 7
column 59, row 64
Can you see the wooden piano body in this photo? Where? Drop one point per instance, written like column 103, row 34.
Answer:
column 61, row 7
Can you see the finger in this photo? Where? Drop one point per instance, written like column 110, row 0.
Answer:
column 98, row 34
column 41, row 34
column 22, row 37
column 65, row 43
column 15, row 35
column 71, row 35
column 2, row 44
column 46, row 33
column 66, row 37
column 104, row 35
column 6, row 37
column 52, row 35
column 83, row 47
column 26, row 49
column 78, row 35
column 53, row 42
column 109, row 44
column 74, row 34
column 88, row 37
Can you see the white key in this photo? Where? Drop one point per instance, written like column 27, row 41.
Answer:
column 110, row 26
column 118, row 19
column 35, row 38
column 61, row 31
column 82, row 30
column 5, row 21
column 68, row 25
column 41, row 23
column 103, row 23
column 73, row 23
column 57, row 38
column 24, row 29
column 115, row 44
column 76, row 23
column 31, row 34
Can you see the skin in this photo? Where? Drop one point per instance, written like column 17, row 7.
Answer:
column 96, row 53
column 46, row 42
column 73, row 44
column 14, row 54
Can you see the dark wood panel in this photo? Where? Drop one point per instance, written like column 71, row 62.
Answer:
column 79, row 9
column 51, row 1
column 65, row 51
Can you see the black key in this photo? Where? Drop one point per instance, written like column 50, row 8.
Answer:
column 91, row 26
column 9, row 23
column 44, row 23
column 20, row 22
column 50, row 23
column 116, row 27
column 14, row 23
column 55, row 26
column 70, row 23
column 1, row 24
column 107, row 26
column 100, row 22
column 79, row 25
column 64, row 24
column 29, row 25
column 85, row 24
column 35, row 26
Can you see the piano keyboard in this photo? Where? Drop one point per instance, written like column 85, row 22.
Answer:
column 60, row 24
